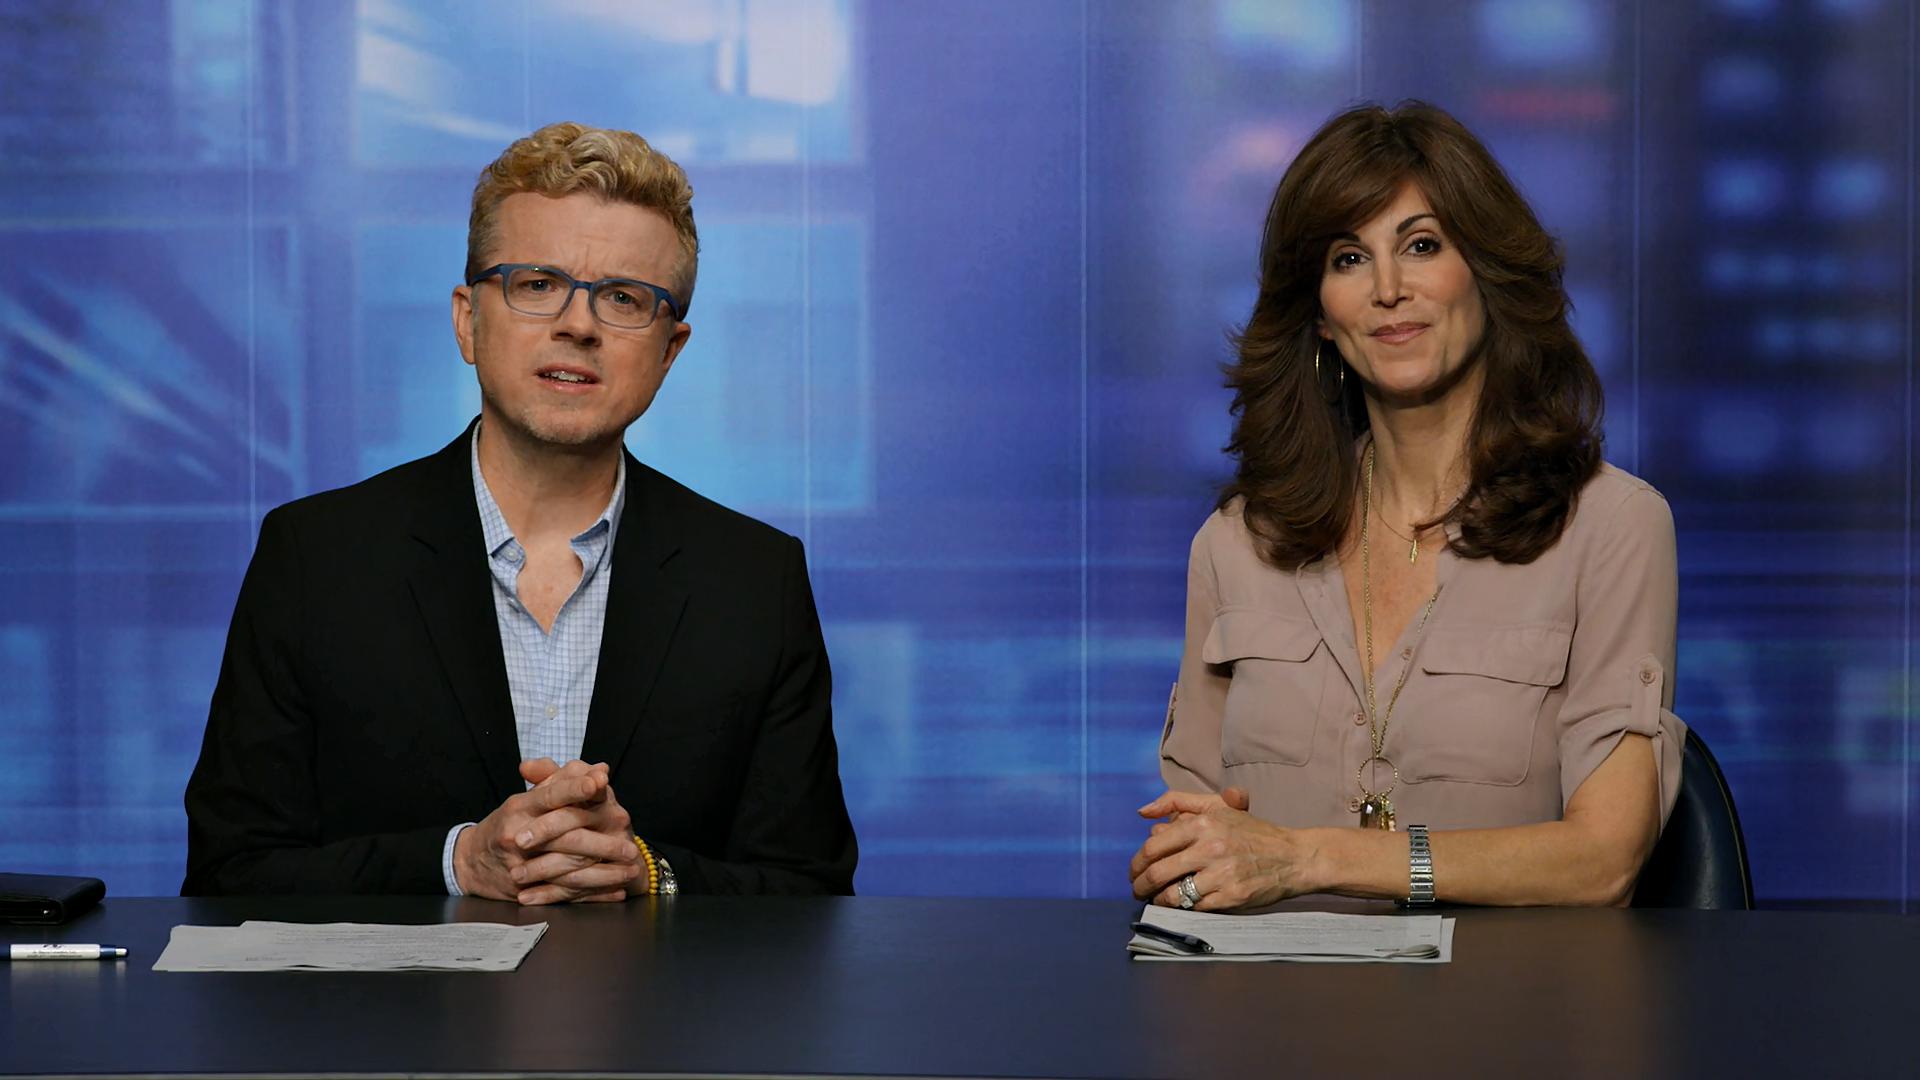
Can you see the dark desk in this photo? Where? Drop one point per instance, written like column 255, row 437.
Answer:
column 704, row 985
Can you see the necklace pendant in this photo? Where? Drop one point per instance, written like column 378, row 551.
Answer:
column 1413, row 550
column 1377, row 813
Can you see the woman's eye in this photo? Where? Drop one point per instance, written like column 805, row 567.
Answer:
column 1424, row 245
column 1346, row 259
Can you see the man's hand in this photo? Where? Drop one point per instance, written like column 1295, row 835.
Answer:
column 570, row 850
column 566, row 839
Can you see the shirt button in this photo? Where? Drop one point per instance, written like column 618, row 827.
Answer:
column 1360, row 718
column 552, row 711
column 1406, row 654
column 1646, row 677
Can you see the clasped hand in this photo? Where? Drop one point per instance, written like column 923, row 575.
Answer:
column 1237, row 860
column 565, row 839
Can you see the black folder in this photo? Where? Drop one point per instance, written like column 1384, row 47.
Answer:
column 46, row 899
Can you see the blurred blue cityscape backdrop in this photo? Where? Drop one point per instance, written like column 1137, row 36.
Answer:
column 968, row 270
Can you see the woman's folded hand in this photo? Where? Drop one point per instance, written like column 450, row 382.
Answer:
column 1237, row 861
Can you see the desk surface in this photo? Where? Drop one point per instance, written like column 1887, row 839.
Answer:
column 952, row 987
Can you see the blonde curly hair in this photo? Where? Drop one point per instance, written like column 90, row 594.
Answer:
column 562, row 159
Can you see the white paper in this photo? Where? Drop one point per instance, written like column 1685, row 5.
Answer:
column 281, row 946
column 1315, row 936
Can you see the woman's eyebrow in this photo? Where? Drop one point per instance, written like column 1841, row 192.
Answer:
column 1397, row 230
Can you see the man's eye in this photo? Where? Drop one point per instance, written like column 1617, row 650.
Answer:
column 535, row 284
column 621, row 298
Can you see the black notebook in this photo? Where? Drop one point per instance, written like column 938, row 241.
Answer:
column 46, row 899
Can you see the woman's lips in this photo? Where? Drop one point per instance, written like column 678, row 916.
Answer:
column 1400, row 333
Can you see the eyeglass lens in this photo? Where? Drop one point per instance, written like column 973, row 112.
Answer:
column 533, row 291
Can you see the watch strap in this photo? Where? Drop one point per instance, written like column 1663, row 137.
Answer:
column 1419, row 867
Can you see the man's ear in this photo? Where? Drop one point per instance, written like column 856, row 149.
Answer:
column 675, row 342
column 463, row 316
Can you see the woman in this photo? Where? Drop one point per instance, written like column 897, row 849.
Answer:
column 1424, row 601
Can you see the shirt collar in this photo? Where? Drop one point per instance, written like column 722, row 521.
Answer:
column 493, row 523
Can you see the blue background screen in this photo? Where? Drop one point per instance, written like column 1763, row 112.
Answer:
column 968, row 270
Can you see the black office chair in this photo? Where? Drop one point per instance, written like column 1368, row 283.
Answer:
column 1701, row 859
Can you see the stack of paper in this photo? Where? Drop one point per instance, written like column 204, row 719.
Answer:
column 280, row 946
column 1172, row 934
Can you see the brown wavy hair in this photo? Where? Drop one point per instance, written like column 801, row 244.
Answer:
column 1535, row 438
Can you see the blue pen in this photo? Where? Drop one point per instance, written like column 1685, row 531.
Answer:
column 1173, row 937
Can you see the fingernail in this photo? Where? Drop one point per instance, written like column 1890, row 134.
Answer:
column 525, row 839
column 525, row 897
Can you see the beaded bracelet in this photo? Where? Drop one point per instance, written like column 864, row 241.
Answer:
column 653, row 872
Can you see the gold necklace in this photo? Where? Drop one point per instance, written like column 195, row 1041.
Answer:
column 1413, row 542
column 1375, row 808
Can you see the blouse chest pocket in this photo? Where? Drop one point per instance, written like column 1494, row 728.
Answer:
column 1279, row 680
column 1475, row 717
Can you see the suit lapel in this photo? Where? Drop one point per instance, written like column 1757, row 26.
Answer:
column 452, row 587
column 644, row 604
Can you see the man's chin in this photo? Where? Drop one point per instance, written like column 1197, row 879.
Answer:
column 565, row 433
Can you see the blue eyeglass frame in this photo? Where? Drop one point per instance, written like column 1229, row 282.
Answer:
column 501, row 270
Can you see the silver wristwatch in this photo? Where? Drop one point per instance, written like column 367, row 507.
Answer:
column 1419, row 867
column 670, row 885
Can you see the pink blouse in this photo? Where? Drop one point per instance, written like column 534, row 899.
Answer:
column 1523, row 681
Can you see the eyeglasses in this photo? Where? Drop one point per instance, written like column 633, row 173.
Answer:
column 544, row 291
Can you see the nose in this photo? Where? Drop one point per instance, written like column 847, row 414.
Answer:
column 1387, row 285
column 576, row 322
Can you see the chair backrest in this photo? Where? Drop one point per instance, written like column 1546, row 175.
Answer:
column 1701, row 858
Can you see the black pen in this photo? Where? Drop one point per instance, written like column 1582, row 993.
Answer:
column 1173, row 937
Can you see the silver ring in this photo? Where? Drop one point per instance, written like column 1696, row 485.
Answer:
column 1189, row 892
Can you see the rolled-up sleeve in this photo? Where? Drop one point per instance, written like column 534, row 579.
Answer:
column 1190, row 739
column 1620, row 667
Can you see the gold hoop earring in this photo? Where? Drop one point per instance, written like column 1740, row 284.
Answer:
column 1340, row 387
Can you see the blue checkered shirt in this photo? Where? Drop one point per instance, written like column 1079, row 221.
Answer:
column 549, row 673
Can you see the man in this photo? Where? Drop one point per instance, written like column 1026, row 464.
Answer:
column 411, row 656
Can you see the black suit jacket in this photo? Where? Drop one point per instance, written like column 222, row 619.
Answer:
column 362, row 708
